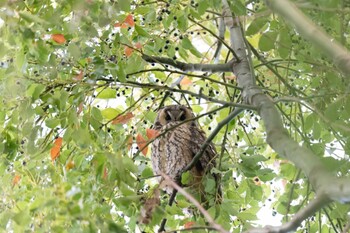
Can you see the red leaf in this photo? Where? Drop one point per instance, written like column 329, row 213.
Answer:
column 128, row 51
column 70, row 165
column 55, row 150
column 141, row 143
column 185, row 81
column 129, row 142
column 151, row 133
column 123, row 119
column 188, row 225
column 138, row 45
column 121, row 25
column 58, row 38
column 129, row 20
column 79, row 76
column 117, row 25
column 16, row 180
column 105, row 173
column 80, row 108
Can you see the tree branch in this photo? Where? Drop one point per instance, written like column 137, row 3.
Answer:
column 338, row 53
column 217, row 37
column 326, row 184
column 212, row 68
column 199, row 95
column 292, row 225
column 207, row 216
column 322, row 180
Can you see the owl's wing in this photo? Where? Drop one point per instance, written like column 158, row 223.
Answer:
column 207, row 161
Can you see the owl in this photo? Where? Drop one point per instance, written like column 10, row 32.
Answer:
column 175, row 149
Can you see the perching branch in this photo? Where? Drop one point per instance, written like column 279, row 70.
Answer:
column 207, row 216
column 204, row 146
column 212, row 68
column 338, row 53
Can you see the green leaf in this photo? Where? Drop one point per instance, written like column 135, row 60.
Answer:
column 257, row 25
column 22, row 217
column 110, row 113
column 124, row 5
column 209, row 185
column 267, row 41
column 187, row 44
column 74, row 51
column 96, row 114
column 52, row 123
column 202, row 6
column 31, row 18
column 141, row 31
column 35, row 90
column 182, row 23
column 106, row 93
column 185, row 178
column 285, row 43
column 82, row 137
column 331, row 112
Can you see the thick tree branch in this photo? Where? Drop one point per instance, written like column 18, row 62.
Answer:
column 322, row 180
column 207, row 216
column 326, row 184
column 212, row 68
column 338, row 53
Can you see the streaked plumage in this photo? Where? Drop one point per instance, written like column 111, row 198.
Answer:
column 173, row 151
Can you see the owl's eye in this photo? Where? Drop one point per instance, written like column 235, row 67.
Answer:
column 167, row 117
column 182, row 117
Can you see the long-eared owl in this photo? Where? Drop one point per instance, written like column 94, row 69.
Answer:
column 181, row 141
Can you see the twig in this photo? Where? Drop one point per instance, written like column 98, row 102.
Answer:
column 182, row 73
column 192, row 229
column 222, row 37
column 207, row 216
column 217, row 37
column 208, row 98
column 171, row 201
column 213, row 68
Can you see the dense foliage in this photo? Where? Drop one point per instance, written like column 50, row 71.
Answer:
column 78, row 100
